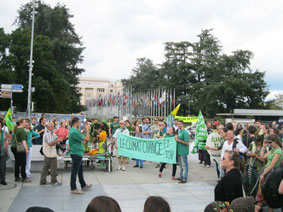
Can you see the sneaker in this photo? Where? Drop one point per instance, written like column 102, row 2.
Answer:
column 123, row 168
column 178, row 179
column 3, row 182
column 172, row 178
column 87, row 187
column 200, row 162
column 208, row 166
column 119, row 168
column 141, row 167
column 159, row 175
column 76, row 191
column 26, row 180
column 56, row 184
column 182, row 182
column 136, row 166
column 17, row 179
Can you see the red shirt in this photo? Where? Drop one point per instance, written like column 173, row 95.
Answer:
column 62, row 134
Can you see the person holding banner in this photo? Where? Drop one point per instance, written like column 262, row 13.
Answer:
column 121, row 159
column 182, row 151
column 138, row 134
column 161, row 132
column 171, row 133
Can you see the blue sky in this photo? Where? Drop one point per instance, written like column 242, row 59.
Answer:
column 116, row 33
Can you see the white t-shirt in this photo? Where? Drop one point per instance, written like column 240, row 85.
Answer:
column 227, row 147
column 121, row 130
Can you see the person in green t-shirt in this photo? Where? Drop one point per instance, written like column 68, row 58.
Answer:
column 112, row 129
column 274, row 159
column 20, row 136
column 76, row 145
column 94, row 130
column 114, row 126
column 182, row 151
column 171, row 133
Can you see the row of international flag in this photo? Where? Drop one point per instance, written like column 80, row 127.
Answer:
column 155, row 98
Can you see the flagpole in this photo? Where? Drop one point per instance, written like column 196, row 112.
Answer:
column 174, row 98
column 165, row 100
column 158, row 103
column 30, row 62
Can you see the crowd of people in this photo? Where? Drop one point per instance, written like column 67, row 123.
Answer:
column 249, row 154
column 108, row 204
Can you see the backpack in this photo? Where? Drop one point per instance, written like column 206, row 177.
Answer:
column 270, row 188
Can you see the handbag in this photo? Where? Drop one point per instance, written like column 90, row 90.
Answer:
column 20, row 147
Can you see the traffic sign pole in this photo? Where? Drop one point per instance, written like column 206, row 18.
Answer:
column 12, row 100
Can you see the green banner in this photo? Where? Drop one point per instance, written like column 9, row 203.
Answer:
column 201, row 134
column 187, row 119
column 157, row 150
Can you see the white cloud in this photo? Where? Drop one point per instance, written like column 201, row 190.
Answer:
column 116, row 33
column 273, row 94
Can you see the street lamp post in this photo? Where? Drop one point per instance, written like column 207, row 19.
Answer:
column 30, row 63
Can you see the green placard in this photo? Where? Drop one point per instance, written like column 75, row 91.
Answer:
column 157, row 150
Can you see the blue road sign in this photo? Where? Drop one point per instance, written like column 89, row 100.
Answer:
column 17, row 87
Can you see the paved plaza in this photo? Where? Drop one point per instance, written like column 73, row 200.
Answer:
column 129, row 188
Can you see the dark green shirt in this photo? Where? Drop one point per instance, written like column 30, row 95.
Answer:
column 183, row 149
column 114, row 126
column 21, row 136
column 76, row 142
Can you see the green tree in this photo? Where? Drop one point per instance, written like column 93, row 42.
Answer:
column 204, row 77
column 64, row 57
column 145, row 76
column 6, row 74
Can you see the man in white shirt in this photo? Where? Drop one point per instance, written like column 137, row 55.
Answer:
column 121, row 159
column 228, row 145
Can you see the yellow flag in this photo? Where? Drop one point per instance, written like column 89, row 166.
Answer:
column 175, row 111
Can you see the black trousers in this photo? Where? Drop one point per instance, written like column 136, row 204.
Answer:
column 2, row 168
column 20, row 163
column 173, row 170
column 206, row 158
column 200, row 155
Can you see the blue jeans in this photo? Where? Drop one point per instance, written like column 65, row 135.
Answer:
column 183, row 161
column 139, row 161
column 77, row 169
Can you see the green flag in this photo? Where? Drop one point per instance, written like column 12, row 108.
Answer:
column 201, row 134
column 9, row 120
